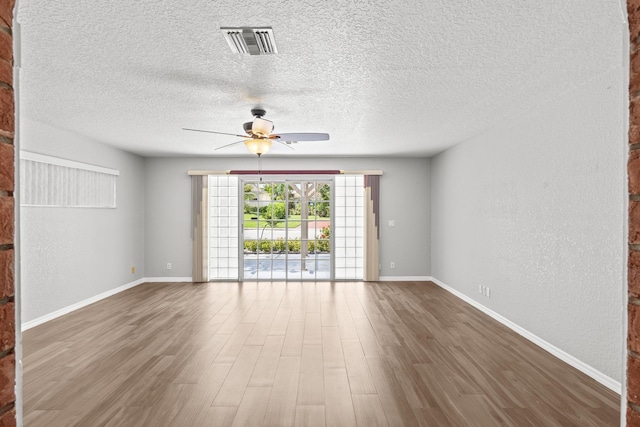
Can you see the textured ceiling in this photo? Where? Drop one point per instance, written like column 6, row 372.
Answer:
column 409, row 77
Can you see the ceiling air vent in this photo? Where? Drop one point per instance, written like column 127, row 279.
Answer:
column 252, row 41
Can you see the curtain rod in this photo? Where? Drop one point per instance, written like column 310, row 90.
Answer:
column 286, row 172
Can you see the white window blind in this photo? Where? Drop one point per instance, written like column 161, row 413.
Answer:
column 55, row 182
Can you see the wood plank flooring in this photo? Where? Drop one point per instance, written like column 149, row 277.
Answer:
column 297, row 354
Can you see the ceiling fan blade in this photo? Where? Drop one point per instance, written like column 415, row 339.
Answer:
column 219, row 133
column 285, row 144
column 300, row 136
column 229, row 145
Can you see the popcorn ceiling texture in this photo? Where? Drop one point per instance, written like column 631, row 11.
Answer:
column 382, row 77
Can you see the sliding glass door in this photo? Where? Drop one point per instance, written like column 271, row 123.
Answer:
column 304, row 228
column 287, row 230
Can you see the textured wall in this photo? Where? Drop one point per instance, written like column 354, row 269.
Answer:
column 71, row 254
column 404, row 197
column 533, row 209
column 7, row 235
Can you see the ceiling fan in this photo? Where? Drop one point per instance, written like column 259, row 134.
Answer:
column 259, row 137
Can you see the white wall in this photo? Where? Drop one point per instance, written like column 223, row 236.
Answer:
column 534, row 209
column 404, row 194
column 72, row 254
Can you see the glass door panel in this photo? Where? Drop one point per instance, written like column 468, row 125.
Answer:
column 286, row 230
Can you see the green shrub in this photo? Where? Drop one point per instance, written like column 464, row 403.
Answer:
column 279, row 245
column 321, row 246
column 275, row 210
column 266, row 245
column 322, row 209
column 325, row 233
column 294, row 245
column 294, row 208
column 250, row 246
column 325, row 192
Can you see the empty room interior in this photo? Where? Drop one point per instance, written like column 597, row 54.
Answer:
column 296, row 213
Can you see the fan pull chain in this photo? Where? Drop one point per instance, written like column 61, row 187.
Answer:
column 260, row 166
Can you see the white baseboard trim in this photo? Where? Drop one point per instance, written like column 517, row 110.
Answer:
column 560, row 354
column 73, row 307
column 404, row 278
column 167, row 279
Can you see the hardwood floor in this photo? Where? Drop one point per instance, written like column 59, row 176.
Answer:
column 303, row 354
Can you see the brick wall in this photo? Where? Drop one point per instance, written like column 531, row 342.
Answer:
column 633, row 342
column 7, row 152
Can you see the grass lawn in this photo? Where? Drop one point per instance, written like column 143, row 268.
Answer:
column 294, row 221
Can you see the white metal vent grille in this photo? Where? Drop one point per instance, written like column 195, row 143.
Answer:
column 251, row 41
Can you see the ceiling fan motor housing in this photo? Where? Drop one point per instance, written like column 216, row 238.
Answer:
column 261, row 127
column 258, row 112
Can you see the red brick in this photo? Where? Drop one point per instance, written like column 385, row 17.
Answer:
column 6, row 72
column 6, row 166
column 6, row 46
column 634, row 133
column 7, row 380
column 633, row 342
column 633, row 273
column 634, row 64
column 633, row 168
column 633, row 380
column 7, row 116
column 7, row 327
column 633, row 11
column 7, row 279
column 6, row 220
column 8, row 419
column 634, row 222
column 6, row 12
column 634, row 112
column 633, row 418
column 634, row 73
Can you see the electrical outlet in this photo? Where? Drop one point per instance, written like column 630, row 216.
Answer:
column 168, row 266
column 379, row 266
column 393, row 265
column 485, row 290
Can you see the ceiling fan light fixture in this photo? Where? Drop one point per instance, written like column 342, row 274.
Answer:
column 261, row 127
column 250, row 40
column 258, row 146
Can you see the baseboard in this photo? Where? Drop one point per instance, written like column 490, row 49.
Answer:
column 167, row 279
column 603, row 379
column 73, row 307
column 404, row 278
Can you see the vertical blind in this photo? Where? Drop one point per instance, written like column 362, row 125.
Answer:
column 199, row 224
column 372, row 227
column 54, row 182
